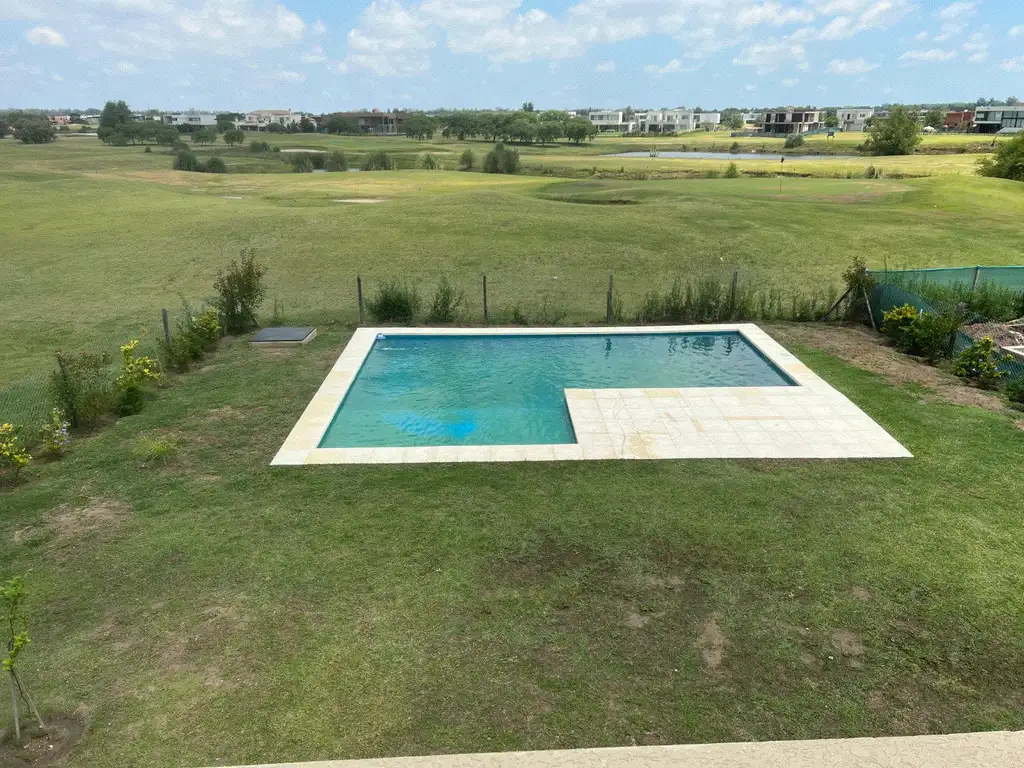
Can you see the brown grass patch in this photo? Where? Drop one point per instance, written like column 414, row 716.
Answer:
column 712, row 644
column 41, row 747
column 99, row 515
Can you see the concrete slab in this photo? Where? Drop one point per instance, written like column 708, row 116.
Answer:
column 283, row 336
column 993, row 749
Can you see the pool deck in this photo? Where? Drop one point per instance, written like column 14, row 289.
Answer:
column 808, row 421
column 959, row 750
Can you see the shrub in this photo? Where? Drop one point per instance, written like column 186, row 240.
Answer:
column 136, row 371
column 712, row 174
column 429, row 162
column 859, row 283
column 240, row 292
column 394, row 302
column 302, row 163
column 794, row 140
column 379, row 161
column 147, row 150
column 256, row 146
column 193, row 335
column 1015, row 391
column 897, row 321
column 732, row 172
column 82, row 387
column 1007, row 162
column 55, row 434
column 897, row 134
column 501, row 160
column 467, row 160
column 735, row 148
column 931, row 335
column 215, row 165
column 337, row 161
column 186, row 161
column 13, row 455
column 980, row 362
column 448, row 303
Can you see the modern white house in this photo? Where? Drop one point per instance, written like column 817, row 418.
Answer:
column 260, row 119
column 611, row 120
column 752, row 118
column 189, row 119
column 793, row 121
column 854, row 118
column 667, row 121
column 707, row 120
column 999, row 119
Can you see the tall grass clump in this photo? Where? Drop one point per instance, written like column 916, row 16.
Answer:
column 429, row 162
column 302, row 163
column 467, row 160
column 501, row 159
column 448, row 303
column 379, row 161
column 336, row 161
column 732, row 172
column 394, row 302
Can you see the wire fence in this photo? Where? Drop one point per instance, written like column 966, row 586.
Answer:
column 1008, row 277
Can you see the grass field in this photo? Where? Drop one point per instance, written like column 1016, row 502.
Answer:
column 197, row 607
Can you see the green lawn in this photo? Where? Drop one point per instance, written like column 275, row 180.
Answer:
column 212, row 609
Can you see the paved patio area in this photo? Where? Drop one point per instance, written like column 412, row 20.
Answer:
column 810, row 420
column 995, row 749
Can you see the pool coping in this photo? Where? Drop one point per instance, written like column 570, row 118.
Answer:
column 809, row 420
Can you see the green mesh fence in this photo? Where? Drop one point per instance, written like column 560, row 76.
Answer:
column 25, row 402
column 1008, row 277
column 885, row 296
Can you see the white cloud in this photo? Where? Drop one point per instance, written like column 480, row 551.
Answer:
column 958, row 10
column 390, row 41
column 770, row 55
column 856, row 66
column 45, row 36
column 977, row 48
column 318, row 27
column 605, row 66
column 315, row 55
column 57, row 78
column 122, row 68
column 789, row 82
column 851, row 17
column 673, row 67
column 1015, row 64
column 921, row 36
column 287, row 76
column 1017, row 31
column 930, row 56
column 773, row 14
column 749, row 87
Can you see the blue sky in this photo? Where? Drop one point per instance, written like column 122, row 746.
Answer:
column 319, row 56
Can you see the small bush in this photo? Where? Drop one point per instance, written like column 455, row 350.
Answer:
column 337, row 161
column 186, row 161
column 712, row 174
column 379, row 161
column 980, row 362
column 735, row 148
column 794, row 140
column 194, row 334
column 732, row 172
column 302, row 163
column 147, row 150
column 429, row 162
column 215, row 165
column 467, row 160
column 859, row 283
column 394, row 302
column 258, row 146
column 55, row 434
column 1015, row 391
column 897, row 321
column 447, row 304
column 82, row 387
column 240, row 292
column 501, row 160
column 927, row 334
column 136, row 372
column 13, row 454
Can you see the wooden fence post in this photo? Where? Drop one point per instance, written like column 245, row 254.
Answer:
column 611, row 309
column 359, row 295
column 485, row 299
column 974, row 282
column 167, row 327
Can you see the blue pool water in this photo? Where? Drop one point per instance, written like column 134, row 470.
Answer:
column 509, row 390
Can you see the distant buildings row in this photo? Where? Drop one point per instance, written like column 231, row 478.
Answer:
column 787, row 121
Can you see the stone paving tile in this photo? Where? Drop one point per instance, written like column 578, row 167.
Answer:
column 810, row 420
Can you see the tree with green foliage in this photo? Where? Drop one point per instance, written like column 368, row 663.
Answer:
column 342, row 124
column 522, row 129
column 527, row 106
column 186, row 161
column 548, row 130
column 35, row 132
column 234, row 136
column 462, row 125
column 935, row 118
column 240, row 291
column 275, row 128
column 733, row 121
column 204, row 136
column 579, row 129
column 420, row 126
column 114, row 114
column 501, row 159
column 831, row 119
column 306, row 125
column 215, row 165
column 12, row 596
column 4, row 128
column 166, row 135
column 467, row 161
column 897, row 134
column 1007, row 162
column 336, row 161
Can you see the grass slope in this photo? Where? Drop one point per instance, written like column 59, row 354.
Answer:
column 212, row 609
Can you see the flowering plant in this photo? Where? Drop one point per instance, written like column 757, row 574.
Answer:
column 135, row 372
column 56, row 433
column 12, row 453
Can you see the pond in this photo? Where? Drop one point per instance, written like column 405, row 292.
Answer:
column 731, row 156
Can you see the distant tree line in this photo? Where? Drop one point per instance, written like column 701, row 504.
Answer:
column 525, row 126
column 30, row 126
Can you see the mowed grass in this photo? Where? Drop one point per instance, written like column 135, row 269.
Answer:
column 209, row 609
column 97, row 240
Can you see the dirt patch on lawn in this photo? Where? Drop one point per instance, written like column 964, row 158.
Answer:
column 869, row 350
column 71, row 522
column 41, row 747
column 551, row 558
column 712, row 644
column 849, row 647
column 360, row 200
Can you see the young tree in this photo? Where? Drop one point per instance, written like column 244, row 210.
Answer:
column 204, row 136
column 831, row 119
column 897, row 134
column 579, row 129
column 115, row 113
column 935, row 118
column 36, row 132
column 12, row 595
column 234, row 136
column 306, row 125
column 341, row 124
column 166, row 135
column 420, row 126
column 549, row 130
column 527, row 106
column 734, row 121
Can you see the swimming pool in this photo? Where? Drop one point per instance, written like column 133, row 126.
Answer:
column 421, row 395
column 510, row 390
